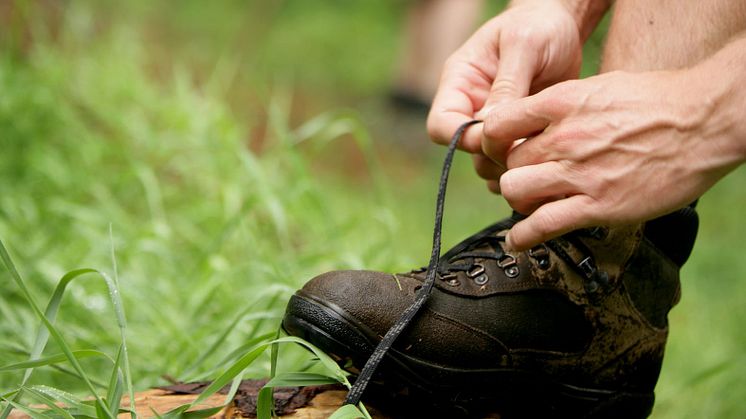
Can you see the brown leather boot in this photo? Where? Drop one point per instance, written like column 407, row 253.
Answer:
column 575, row 327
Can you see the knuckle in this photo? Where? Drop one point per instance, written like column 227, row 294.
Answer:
column 556, row 101
column 492, row 126
column 483, row 169
column 508, row 186
column 522, row 36
column 503, row 87
column 525, row 154
column 559, row 96
column 494, row 186
column 433, row 129
column 594, row 212
column 562, row 89
column 574, row 171
column 545, row 223
column 564, row 141
column 513, row 161
column 523, row 207
column 492, row 151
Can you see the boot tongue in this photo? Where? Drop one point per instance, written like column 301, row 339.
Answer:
column 480, row 240
column 674, row 234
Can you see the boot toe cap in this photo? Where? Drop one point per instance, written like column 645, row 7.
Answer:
column 375, row 299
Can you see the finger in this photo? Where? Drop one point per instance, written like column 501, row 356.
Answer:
column 486, row 168
column 531, row 152
column 455, row 103
column 528, row 186
column 563, row 141
column 526, row 117
column 442, row 125
column 551, row 220
column 515, row 71
column 497, row 142
column 497, row 153
column 494, row 186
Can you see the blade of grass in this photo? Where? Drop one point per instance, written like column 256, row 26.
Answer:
column 230, row 373
column 115, row 388
column 239, row 366
column 232, row 326
column 236, row 352
column 265, row 402
column 301, row 379
column 34, row 414
column 50, row 327
column 325, row 360
column 54, row 359
column 12, row 348
column 74, row 404
column 347, row 411
column 202, row 413
column 116, row 300
column 43, row 398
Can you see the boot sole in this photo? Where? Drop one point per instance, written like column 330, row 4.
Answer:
column 513, row 392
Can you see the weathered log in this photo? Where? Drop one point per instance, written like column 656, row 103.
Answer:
column 313, row 402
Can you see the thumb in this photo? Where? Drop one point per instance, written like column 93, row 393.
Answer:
column 515, row 72
column 550, row 220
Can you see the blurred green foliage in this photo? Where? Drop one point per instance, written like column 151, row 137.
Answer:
column 192, row 129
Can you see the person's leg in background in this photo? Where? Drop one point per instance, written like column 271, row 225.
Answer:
column 433, row 30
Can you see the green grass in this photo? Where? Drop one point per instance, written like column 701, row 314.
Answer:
column 197, row 144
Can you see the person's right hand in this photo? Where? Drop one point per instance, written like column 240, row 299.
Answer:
column 532, row 45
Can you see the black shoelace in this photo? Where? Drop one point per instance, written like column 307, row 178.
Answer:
column 356, row 392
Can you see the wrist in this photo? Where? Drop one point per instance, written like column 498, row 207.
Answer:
column 587, row 14
column 711, row 98
column 722, row 86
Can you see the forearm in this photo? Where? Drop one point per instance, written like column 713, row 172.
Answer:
column 722, row 78
column 587, row 13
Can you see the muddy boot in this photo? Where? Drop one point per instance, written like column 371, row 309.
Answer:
column 575, row 327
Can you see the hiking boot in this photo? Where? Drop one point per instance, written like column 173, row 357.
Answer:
column 574, row 327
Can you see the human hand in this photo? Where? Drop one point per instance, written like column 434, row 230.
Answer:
column 612, row 149
column 532, row 45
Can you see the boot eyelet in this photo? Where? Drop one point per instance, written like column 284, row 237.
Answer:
column 451, row 280
column 476, row 271
column 481, row 279
column 591, row 286
column 509, row 265
column 506, row 261
column 603, row 277
column 540, row 253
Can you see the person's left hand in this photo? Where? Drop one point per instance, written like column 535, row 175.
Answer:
column 611, row 149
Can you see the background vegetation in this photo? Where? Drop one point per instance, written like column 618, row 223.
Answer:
column 237, row 149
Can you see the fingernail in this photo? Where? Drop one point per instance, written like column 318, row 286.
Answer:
column 482, row 114
column 508, row 243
